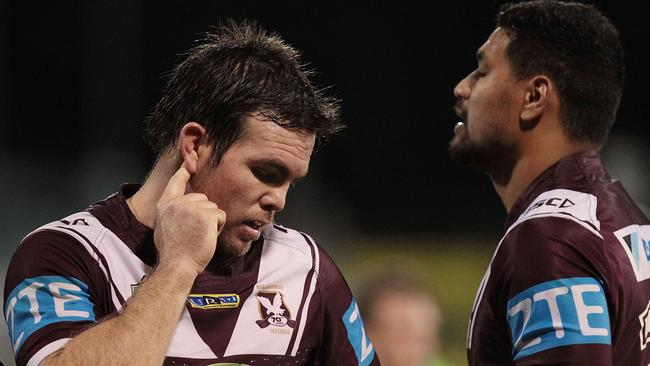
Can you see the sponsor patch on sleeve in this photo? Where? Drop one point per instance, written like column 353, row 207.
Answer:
column 562, row 312
column 37, row 302
column 635, row 240
column 363, row 349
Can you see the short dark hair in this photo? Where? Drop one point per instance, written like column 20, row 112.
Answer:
column 579, row 49
column 236, row 71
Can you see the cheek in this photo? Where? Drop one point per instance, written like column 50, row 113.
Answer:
column 488, row 112
column 216, row 186
column 240, row 193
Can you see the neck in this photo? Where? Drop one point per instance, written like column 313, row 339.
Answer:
column 531, row 164
column 143, row 202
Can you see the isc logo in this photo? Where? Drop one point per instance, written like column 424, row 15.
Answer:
column 558, row 313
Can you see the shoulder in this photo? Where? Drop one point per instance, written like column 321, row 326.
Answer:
column 62, row 246
column 557, row 237
column 571, row 207
column 81, row 226
column 290, row 239
column 77, row 233
column 67, row 235
column 559, row 225
column 286, row 241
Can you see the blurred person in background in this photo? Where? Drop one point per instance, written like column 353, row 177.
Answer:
column 402, row 319
column 569, row 282
column 189, row 268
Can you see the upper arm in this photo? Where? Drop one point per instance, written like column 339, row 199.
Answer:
column 51, row 293
column 344, row 337
column 555, row 299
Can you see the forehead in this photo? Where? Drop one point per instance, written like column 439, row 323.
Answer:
column 268, row 134
column 494, row 49
column 265, row 139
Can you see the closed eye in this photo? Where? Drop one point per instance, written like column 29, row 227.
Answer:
column 269, row 175
column 273, row 172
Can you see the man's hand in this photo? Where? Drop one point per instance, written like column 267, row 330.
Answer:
column 187, row 225
column 185, row 232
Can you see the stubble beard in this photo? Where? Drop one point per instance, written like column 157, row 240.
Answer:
column 491, row 157
column 465, row 150
column 228, row 246
column 233, row 249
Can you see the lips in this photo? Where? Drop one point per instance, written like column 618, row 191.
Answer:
column 460, row 111
column 250, row 230
column 458, row 127
column 255, row 224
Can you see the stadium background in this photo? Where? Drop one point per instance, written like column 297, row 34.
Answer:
column 77, row 78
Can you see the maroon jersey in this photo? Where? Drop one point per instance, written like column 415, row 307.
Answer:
column 568, row 283
column 284, row 302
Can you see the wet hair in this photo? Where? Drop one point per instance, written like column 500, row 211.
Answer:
column 237, row 71
column 579, row 49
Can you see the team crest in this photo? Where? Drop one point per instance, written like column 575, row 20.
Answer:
column 273, row 310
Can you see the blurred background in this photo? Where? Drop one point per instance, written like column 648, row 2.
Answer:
column 78, row 77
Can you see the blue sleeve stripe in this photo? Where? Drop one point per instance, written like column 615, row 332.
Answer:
column 40, row 301
column 359, row 341
column 562, row 312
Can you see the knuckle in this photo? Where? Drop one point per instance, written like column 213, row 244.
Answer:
column 200, row 196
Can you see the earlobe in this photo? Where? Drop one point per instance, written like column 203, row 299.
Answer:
column 190, row 139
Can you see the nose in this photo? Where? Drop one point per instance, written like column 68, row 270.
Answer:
column 463, row 88
column 275, row 199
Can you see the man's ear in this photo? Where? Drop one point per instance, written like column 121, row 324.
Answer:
column 190, row 139
column 536, row 100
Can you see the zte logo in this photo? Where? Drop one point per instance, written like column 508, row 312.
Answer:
column 363, row 349
column 558, row 313
column 553, row 202
column 40, row 301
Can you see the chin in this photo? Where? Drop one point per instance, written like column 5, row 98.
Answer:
column 466, row 151
column 462, row 149
column 234, row 248
column 494, row 159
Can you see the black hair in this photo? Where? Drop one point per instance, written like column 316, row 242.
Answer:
column 239, row 70
column 579, row 49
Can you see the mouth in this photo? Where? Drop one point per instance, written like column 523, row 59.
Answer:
column 255, row 224
column 250, row 230
column 460, row 112
column 459, row 127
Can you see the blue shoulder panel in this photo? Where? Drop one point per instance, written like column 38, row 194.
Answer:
column 558, row 313
column 37, row 302
column 359, row 341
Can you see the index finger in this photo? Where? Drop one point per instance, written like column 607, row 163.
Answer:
column 176, row 185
